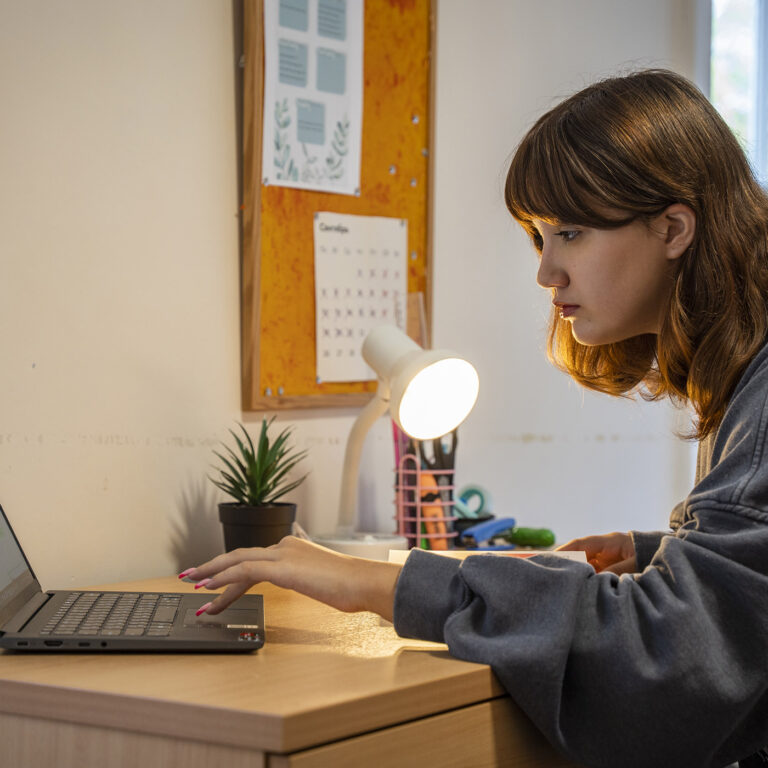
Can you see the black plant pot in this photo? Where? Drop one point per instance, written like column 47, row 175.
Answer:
column 246, row 526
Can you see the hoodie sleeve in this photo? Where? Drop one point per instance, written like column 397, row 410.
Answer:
column 646, row 545
column 663, row 668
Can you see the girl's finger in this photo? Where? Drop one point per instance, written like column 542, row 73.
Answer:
column 227, row 597
column 624, row 566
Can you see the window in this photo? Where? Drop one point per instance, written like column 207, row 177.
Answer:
column 739, row 74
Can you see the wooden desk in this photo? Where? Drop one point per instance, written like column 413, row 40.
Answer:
column 327, row 689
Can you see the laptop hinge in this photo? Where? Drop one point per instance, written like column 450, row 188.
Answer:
column 20, row 618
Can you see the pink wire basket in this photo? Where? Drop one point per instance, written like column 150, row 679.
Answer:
column 424, row 504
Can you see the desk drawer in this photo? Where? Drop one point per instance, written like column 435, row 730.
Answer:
column 492, row 733
column 32, row 742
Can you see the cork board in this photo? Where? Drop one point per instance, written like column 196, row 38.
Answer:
column 278, row 302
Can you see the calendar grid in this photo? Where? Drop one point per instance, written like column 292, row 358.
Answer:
column 360, row 283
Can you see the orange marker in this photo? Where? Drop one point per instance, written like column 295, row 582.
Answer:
column 433, row 514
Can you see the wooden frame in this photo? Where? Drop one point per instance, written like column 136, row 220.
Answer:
column 261, row 388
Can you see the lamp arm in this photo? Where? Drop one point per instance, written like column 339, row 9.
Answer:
column 375, row 409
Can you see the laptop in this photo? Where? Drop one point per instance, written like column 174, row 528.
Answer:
column 78, row 620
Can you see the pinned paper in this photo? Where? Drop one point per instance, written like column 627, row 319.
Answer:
column 313, row 94
column 360, row 283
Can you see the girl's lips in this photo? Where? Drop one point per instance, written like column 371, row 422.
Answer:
column 566, row 310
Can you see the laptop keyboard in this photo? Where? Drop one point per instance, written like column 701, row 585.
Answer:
column 127, row 614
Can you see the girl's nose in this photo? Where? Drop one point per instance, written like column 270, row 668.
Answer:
column 550, row 274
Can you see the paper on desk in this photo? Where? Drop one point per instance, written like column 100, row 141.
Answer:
column 399, row 555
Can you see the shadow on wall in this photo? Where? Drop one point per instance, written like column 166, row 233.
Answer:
column 196, row 534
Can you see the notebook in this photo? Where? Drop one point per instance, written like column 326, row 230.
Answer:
column 79, row 620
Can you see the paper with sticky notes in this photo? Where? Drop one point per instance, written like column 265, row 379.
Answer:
column 313, row 95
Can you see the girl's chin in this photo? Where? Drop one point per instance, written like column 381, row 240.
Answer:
column 584, row 337
column 593, row 339
column 590, row 337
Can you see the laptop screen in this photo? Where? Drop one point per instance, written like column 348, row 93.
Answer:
column 17, row 582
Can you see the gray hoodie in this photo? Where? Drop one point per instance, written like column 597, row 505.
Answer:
column 665, row 667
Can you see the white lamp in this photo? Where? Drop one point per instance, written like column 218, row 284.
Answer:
column 427, row 392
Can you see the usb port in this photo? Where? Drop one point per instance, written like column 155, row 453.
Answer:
column 54, row 643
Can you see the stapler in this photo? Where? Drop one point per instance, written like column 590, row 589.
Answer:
column 474, row 536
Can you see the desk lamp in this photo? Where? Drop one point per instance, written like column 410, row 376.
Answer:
column 428, row 393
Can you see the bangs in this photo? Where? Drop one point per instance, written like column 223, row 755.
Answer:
column 577, row 165
column 548, row 180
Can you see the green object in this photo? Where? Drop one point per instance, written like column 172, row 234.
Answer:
column 529, row 537
column 258, row 475
column 467, row 494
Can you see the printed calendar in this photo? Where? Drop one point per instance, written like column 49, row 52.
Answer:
column 360, row 282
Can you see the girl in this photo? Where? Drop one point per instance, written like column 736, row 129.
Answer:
column 652, row 236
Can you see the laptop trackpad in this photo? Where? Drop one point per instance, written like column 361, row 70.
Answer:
column 232, row 618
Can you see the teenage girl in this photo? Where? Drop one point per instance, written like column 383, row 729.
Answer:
column 652, row 237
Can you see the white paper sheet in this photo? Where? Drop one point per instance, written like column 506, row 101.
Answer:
column 361, row 282
column 313, row 94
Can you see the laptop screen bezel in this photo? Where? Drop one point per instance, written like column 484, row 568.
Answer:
column 11, row 600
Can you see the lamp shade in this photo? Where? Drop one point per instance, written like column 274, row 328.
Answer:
column 430, row 391
column 427, row 392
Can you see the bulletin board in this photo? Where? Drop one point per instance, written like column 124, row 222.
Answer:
column 278, row 291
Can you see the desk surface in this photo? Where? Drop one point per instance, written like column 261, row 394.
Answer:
column 321, row 676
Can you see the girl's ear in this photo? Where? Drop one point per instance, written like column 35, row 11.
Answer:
column 678, row 222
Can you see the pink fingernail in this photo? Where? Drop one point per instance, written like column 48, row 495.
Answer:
column 203, row 609
column 202, row 583
column 186, row 573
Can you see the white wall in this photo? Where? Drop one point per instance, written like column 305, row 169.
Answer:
column 119, row 290
column 119, row 284
column 550, row 453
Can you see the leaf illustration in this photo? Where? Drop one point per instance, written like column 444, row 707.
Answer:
column 282, row 156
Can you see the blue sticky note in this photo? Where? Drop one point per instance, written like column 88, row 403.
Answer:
column 331, row 71
column 292, row 63
column 310, row 123
column 332, row 19
column 294, row 14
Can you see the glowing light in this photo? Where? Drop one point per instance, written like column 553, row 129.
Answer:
column 438, row 398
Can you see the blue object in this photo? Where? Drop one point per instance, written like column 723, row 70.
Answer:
column 473, row 536
column 292, row 63
column 310, row 127
column 294, row 14
column 331, row 71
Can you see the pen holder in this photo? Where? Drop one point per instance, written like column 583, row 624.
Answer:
column 424, row 504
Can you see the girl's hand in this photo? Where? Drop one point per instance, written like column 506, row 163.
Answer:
column 343, row 582
column 612, row 552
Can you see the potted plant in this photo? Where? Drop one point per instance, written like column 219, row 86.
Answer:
column 256, row 477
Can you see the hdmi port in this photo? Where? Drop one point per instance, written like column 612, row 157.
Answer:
column 52, row 642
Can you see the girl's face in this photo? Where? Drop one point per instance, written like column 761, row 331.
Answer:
column 610, row 284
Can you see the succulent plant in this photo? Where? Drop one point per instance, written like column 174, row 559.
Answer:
column 258, row 475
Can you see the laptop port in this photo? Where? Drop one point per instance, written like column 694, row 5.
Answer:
column 21, row 643
column 53, row 643
column 83, row 645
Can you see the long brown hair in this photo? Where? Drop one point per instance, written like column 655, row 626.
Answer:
column 624, row 149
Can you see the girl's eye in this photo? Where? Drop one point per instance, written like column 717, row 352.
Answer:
column 568, row 234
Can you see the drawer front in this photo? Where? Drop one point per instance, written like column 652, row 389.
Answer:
column 492, row 733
